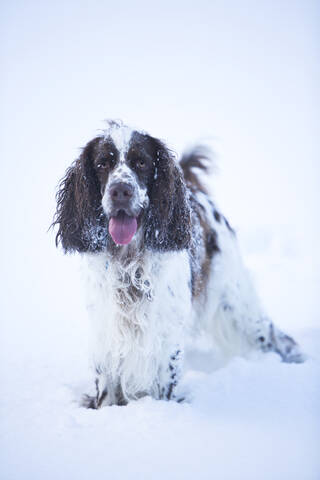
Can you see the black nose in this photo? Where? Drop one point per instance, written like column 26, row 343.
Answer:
column 121, row 192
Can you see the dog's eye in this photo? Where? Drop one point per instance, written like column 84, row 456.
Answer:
column 104, row 162
column 137, row 161
column 141, row 163
column 101, row 165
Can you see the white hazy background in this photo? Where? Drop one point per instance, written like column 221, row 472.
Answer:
column 242, row 76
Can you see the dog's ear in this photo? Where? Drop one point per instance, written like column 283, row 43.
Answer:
column 168, row 224
column 79, row 216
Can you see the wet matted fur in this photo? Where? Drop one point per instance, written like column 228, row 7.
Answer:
column 180, row 271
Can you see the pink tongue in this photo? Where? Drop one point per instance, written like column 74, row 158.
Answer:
column 122, row 228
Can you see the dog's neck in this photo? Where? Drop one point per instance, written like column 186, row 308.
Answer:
column 130, row 269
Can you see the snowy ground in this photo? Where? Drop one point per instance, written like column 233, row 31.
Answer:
column 245, row 74
column 253, row 418
column 246, row 421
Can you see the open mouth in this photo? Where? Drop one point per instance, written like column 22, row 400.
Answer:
column 122, row 228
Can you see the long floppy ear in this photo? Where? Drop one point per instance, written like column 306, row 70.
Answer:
column 79, row 215
column 168, row 225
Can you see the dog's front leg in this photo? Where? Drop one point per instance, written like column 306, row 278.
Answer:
column 107, row 392
column 97, row 400
column 171, row 375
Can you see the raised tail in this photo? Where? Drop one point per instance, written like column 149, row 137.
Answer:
column 199, row 157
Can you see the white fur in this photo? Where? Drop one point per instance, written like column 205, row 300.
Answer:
column 132, row 341
column 230, row 312
column 126, row 175
column 121, row 136
column 141, row 308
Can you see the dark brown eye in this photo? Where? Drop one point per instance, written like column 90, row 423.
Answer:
column 141, row 163
column 105, row 162
column 102, row 164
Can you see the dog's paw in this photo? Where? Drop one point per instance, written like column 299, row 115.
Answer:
column 89, row 401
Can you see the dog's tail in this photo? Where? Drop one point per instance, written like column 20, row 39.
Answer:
column 200, row 158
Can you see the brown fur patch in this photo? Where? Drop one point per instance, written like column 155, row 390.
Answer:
column 204, row 239
column 210, row 249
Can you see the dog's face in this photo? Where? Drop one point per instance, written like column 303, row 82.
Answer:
column 123, row 183
column 125, row 167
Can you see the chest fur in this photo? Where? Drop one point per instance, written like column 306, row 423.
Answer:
column 142, row 303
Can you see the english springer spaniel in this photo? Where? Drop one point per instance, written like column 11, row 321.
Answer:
column 162, row 262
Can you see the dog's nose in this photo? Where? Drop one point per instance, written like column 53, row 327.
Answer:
column 121, row 192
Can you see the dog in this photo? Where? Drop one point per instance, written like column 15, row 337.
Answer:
column 162, row 262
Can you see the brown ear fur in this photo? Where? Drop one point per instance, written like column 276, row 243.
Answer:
column 79, row 214
column 168, row 225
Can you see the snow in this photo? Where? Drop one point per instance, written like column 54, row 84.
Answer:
column 248, row 417
column 248, row 75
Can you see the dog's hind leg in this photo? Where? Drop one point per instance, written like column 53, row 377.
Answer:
column 281, row 343
column 238, row 329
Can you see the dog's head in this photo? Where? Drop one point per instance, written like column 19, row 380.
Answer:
column 125, row 185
